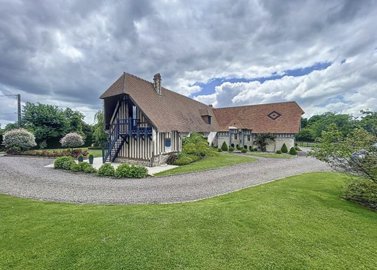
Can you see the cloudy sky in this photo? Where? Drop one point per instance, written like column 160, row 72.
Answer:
column 323, row 54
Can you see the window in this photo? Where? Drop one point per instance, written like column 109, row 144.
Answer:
column 235, row 136
column 167, row 142
column 134, row 112
column 209, row 119
column 248, row 138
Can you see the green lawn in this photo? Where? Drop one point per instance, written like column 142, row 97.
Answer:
column 220, row 160
column 296, row 223
column 270, row 155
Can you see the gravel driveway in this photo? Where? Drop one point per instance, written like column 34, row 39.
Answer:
column 27, row 177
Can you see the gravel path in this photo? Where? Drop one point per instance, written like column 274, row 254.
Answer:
column 27, row 177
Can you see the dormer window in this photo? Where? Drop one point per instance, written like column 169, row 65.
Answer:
column 209, row 119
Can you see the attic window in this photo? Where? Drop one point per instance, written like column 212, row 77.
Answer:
column 274, row 115
column 209, row 119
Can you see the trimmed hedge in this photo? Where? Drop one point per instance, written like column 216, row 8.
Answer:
column 231, row 149
column 284, row 149
column 106, row 170
column 224, row 147
column 292, row 151
column 64, row 163
column 130, row 171
column 278, row 152
column 243, row 150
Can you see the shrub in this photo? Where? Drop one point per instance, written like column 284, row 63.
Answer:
column 43, row 144
column 219, row 150
column 231, row 149
column 122, row 171
column 363, row 192
column 106, row 170
column 130, row 171
column 80, row 158
column 17, row 140
column 251, row 148
column 278, row 152
column 284, row 149
column 137, row 172
column 197, row 145
column 64, row 163
column 245, row 147
column 224, row 147
column 71, row 140
column 171, row 159
column 184, row 159
column 238, row 147
column 243, row 150
column 292, row 151
column 83, row 167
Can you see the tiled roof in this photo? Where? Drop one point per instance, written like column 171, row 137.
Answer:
column 281, row 117
column 172, row 111
column 168, row 111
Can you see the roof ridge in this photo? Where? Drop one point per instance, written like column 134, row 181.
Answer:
column 166, row 89
column 250, row 105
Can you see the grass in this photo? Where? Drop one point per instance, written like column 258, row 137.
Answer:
column 270, row 155
column 296, row 223
column 220, row 160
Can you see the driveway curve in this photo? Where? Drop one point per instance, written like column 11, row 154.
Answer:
column 27, row 177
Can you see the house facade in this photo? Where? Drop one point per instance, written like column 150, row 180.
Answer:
column 146, row 122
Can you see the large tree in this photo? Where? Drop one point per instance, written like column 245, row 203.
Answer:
column 48, row 122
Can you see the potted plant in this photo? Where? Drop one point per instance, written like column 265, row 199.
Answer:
column 80, row 158
column 91, row 158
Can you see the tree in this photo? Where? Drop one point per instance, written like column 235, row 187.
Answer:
column 99, row 134
column 75, row 121
column 48, row 122
column 355, row 154
column 262, row 140
column 369, row 122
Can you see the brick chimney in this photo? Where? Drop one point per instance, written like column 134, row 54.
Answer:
column 157, row 83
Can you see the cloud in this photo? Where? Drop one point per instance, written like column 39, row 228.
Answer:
column 68, row 52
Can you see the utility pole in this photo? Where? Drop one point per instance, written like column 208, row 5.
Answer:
column 19, row 109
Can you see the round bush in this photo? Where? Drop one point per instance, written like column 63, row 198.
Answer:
column 127, row 171
column 17, row 140
column 284, row 149
column 292, row 151
column 243, row 150
column 278, row 152
column 231, row 149
column 106, row 170
column 64, row 163
column 72, row 139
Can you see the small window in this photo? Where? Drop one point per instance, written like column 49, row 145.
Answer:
column 248, row 138
column 235, row 136
column 167, row 142
column 134, row 112
column 209, row 119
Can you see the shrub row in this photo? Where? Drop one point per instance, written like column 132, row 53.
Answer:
column 122, row 171
column 57, row 153
column 363, row 192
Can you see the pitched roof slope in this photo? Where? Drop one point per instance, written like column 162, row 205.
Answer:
column 284, row 117
column 168, row 111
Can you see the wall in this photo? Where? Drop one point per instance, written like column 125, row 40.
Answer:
column 280, row 139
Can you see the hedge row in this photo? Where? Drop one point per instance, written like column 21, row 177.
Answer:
column 122, row 171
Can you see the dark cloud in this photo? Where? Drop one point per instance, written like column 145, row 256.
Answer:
column 68, row 52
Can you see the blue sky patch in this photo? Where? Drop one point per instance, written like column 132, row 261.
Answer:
column 209, row 87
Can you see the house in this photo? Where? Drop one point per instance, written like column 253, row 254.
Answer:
column 146, row 122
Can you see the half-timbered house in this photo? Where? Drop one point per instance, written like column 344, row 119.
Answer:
column 146, row 122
